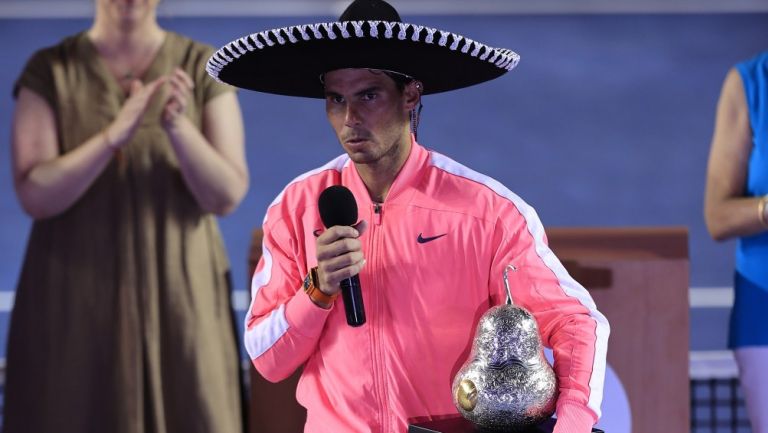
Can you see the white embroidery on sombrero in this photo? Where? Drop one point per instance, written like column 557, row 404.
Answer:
column 456, row 40
column 401, row 33
column 289, row 32
column 265, row 37
column 476, row 51
column 443, row 38
column 254, row 38
column 358, row 25
column 329, row 30
column 236, row 49
column 226, row 57
column 416, row 32
column 276, row 34
column 232, row 52
column 430, row 35
column 374, row 28
column 388, row 32
column 488, row 51
column 467, row 43
column 213, row 67
column 503, row 61
column 244, row 41
column 303, row 30
column 343, row 28
column 215, row 61
column 217, row 64
column 501, row 58
column 513, row 58
column 316, row 31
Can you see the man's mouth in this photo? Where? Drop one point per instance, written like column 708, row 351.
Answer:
column 355, row 140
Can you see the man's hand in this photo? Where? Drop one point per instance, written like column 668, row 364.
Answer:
column 339, row 256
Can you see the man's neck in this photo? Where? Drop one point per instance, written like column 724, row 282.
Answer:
column 379, row 177
column 377, row 184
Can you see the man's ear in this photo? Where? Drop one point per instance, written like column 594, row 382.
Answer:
column 412, row 93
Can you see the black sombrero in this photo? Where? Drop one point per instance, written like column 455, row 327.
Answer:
column 369, row 34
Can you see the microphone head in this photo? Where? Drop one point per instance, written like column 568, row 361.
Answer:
column 337, row 206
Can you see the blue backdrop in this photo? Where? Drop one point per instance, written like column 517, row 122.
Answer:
column 606, row 122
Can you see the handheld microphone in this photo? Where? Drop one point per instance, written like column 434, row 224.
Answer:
column 338, row 208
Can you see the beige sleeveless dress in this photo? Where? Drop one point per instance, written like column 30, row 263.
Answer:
column 122, row 319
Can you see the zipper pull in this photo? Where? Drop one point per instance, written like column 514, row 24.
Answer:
column 377, row 213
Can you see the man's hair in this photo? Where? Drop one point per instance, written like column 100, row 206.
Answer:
column 401, row 80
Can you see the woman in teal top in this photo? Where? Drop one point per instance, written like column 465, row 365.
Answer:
column 735, row 207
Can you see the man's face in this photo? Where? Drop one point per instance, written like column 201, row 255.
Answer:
column 369, row 115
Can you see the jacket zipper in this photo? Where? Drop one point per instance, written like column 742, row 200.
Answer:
column 377, row 214
column 375, row 320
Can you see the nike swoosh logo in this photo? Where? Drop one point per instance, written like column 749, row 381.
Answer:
column 423, row 240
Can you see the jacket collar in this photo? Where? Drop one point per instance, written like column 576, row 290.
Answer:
column 402, row 187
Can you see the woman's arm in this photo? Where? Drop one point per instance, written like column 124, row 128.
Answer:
column 48, row 183
column 212, row 161
column 727, row 212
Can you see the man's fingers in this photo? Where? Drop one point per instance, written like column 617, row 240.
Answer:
column 343, row 261
column 332, row 278
column 337, row 248
column 361, row 227
column 337, row 232
column 339, row 254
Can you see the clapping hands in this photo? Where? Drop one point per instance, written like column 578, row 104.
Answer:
column 176, row 88
column 179, row 88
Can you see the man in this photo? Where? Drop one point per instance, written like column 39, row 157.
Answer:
column 431, row 245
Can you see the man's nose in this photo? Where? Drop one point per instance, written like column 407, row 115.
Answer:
column 352, row 117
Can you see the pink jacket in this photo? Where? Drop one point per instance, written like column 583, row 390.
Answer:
column 422, row 299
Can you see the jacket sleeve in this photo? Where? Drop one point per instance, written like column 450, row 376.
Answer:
column 568, row 319
column 283, row 325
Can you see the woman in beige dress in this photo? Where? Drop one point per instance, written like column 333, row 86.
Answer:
column 123, row 152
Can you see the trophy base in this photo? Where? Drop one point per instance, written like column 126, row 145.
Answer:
column 459, row 424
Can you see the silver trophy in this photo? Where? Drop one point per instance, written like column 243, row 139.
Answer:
column 507, row 383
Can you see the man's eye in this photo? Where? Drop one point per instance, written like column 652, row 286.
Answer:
column 337, row 99
column 369, row 96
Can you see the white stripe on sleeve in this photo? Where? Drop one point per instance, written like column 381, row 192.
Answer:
column 265, row 334
column 570, row 286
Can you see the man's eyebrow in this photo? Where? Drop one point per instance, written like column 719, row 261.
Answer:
column 370, row 89
column 374, row 88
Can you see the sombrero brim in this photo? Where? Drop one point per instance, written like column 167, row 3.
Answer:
column 290, row 60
